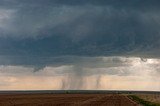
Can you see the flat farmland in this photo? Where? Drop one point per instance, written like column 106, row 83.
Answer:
column 65, row 100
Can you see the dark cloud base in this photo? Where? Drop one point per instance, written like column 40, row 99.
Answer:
column 94, row 46
column 80, row 28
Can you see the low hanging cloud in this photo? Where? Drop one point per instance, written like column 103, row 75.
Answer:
column 109, row 73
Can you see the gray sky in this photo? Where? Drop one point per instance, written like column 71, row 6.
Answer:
column 80, row 27
column 70, row 42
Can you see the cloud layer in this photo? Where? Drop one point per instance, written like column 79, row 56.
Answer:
column 112, row 73
column 91, row 27
column 79, row 44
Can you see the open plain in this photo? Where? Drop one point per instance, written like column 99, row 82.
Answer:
column 65, row 100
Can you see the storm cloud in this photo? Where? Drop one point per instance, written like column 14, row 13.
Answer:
column 87, row 28
column 76, row 42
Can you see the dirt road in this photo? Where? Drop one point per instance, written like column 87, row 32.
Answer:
column 65, row 100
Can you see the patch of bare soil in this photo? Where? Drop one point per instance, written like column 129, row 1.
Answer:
column 65, row 100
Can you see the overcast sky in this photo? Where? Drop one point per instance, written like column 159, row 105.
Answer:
column 80, row 44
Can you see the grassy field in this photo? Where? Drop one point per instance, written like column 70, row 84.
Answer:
column 146, row 99
column 150, row 97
